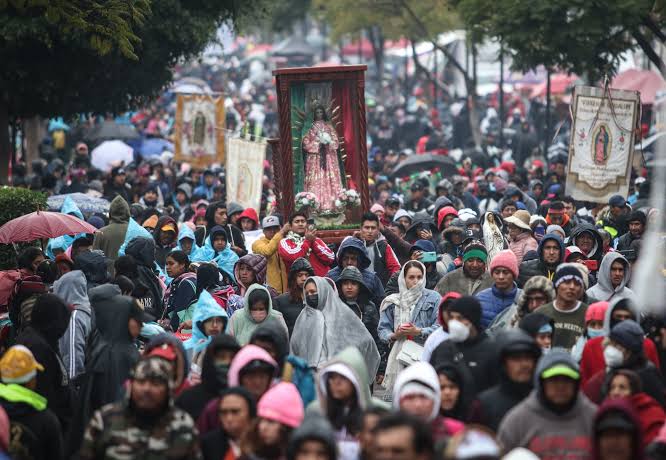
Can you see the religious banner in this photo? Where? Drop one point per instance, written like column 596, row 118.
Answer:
column 245, row 172
column 602, row 143
column 199, row 130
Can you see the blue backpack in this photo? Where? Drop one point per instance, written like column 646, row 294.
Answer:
column 299, row 373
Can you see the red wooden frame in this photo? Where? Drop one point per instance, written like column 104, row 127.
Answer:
column 282, row 153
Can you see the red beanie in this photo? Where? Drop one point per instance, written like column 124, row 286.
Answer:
column 506, row 259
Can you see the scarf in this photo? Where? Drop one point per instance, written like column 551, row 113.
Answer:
column 403, row 305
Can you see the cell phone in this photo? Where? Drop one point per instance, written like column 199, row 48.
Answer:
column 429, row 256
column 592, row 265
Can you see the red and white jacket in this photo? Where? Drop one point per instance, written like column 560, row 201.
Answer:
column 320, row 256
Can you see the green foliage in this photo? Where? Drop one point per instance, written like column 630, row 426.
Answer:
column 15, row 202
column 579, row 36
column 49, row 72
column 396, row 18
column 283, row 14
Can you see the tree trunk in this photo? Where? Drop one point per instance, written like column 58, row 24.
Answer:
column 376, row 37
column 501, row 98
column 474, row 123
column 546, row 135
column 34, row 133
column 5, row 151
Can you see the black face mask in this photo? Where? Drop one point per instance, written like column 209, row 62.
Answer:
column 312, row 300
column 221, row 374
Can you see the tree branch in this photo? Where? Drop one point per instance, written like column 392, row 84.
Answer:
column 437, row 46
column 425, row 71
column 654, row 28
column 645, row 45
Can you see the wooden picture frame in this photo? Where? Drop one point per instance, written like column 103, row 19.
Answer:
column 301, row 92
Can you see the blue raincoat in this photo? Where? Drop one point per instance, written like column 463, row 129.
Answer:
column 65, row 241
column 225, row 260
column 205, row 308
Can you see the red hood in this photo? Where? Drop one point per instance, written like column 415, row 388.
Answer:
column 448, row 297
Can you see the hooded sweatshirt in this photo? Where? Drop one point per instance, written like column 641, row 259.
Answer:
column 242, row 325
column 110, row 238
column 284, row 303
column 530, row 268
column 424, row 374
column 533, row 425
column 258, row 264
column 604, row 289
column 161, row 251
column 592, row 359
column 596, row 253
column 71, row 287
column 372, row 281
column 313, row 428
column 624, row 409
column 143, row 252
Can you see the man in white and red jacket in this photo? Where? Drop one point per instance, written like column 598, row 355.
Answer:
column 302, row 242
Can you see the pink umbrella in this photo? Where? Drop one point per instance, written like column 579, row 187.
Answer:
column 559, row 84
column 646, row 82
column 42, row 224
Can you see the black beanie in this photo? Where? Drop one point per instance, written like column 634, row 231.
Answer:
column 629, row 334
column 470, row 308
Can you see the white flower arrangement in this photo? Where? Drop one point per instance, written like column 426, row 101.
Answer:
column 325, row 138
column 306, row 199
column 348, row 198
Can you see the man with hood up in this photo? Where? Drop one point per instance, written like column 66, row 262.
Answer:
column 352, row 252
column 165, row 235
column 518, row 355
column 110, row 238
column 315, row 437
column 354, row 292
column 50, row 319
column 592, row 359
column 612, row 279
column 556, row 419
column 71, row 287
column 217, row 359
column 290, row 304
column 586, row 237
column 143, row 252
column 551, row 254
column 145, row 423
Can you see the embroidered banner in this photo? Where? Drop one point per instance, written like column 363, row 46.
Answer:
column 245, row 172
column 199, row 130
column 601, row 148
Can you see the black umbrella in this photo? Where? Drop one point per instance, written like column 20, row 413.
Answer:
column 110, row 130
column 425, row 162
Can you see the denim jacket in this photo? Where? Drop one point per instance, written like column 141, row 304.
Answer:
column 424, row 316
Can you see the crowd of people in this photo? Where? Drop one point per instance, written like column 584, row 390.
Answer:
column 487, row 315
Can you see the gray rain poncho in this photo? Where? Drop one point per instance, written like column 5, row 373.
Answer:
column 323, row 332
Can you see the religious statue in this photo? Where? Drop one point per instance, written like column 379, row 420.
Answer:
column 601, row 146
column 322, row 169
column 199, row 128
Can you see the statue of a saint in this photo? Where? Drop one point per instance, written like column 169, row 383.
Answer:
column 322, row 170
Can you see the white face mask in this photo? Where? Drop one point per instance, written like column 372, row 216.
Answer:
column 613, row 356
column 458, row 331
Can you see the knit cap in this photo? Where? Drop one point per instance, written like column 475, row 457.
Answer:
column 470, row 308
column 629, row 334
column 377, row 208
column 282, row 404
column 18, row 365
column 556, row 228
column 507, row 259
column 402, row 213
column 596, row 311
column 567, row 273
column 475, row 250
column 153, row 368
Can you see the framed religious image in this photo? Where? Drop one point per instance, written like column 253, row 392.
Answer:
column 601, row 149
column 321, row 165
column 199, row 130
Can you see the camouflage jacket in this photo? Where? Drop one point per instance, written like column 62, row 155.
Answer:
column 115, row 433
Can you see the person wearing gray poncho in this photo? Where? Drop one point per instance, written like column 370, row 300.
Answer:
column 326, row 326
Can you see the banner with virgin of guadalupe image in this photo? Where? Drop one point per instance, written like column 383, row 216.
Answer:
column 199, row 130
column 245, row 172
column 601, row 148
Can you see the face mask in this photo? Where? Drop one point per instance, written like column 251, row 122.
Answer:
column 613, row 356
column 592, row 333
column 221, row 372
column 545, row 351
column 458, row 332
column 258, row 315
column 312, row 300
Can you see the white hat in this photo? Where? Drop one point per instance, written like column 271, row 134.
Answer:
column 270, row 221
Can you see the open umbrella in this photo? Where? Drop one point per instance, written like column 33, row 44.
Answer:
column 86, row 203
column 425, row 162
column 109, row 130
column 57, row 124
column 111, row 153
column 42, row 224
column 154, row 146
